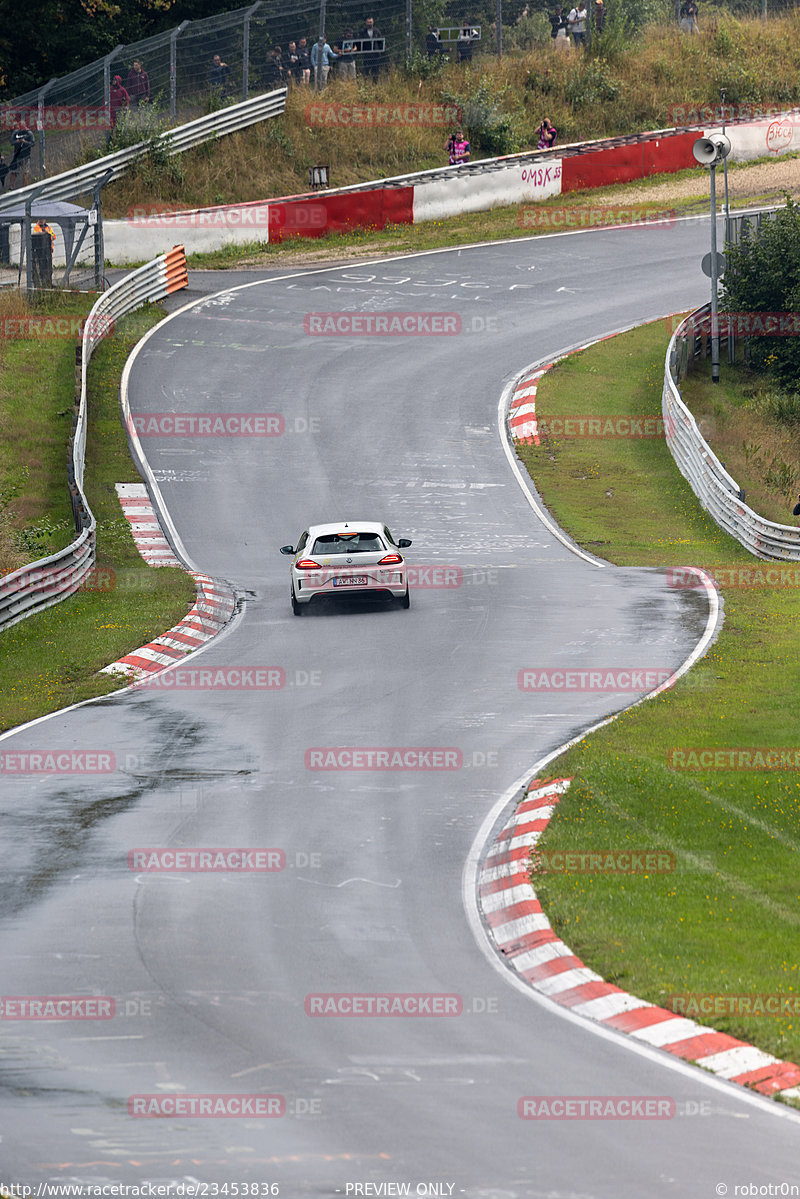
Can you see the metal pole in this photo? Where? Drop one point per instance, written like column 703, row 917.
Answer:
column 107, row 83
column 320, row 45
column 409, row 37
column 40, row 116
column 99, row 247
column 246, row 55
column 725, row 176
column 246, row 49
column 173, row 82
column 498, row 20
column 714, row 281
column 28, row 247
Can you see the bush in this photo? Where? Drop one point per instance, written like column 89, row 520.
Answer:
column 763, row 275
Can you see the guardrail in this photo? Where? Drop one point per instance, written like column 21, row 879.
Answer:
column 83, row 179
column 49, row 580
column 717, row 491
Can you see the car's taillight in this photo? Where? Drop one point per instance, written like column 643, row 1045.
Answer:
column 307, row 564
column 390, row 560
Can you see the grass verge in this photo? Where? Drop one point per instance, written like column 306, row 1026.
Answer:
column 37, row 373
column 51, row 660
column 726, row 921
column 759, row 451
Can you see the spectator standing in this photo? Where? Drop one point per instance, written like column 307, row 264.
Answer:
column 689, row 11
column 328, row 58
column 347, row 58
column 4, row 169
column 305, row 60
column 558, row 23
column 467, row 36
column 373, row 59
column 274, row 73
column 547, row 134
column 457, row 148
column 22, row 143
column 576, row 23
column 433, row 43
column 138, row 84
column 599, row 15
column 291, row 64
column 118, row 99
column 219, row 75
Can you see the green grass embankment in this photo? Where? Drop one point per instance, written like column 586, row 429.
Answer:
column 624, row 85
column 727, row 920
column 51, row 660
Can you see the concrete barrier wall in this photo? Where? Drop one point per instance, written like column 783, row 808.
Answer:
column 435, row 195
column 511, row 184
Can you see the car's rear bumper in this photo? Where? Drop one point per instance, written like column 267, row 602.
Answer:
column 386, row 582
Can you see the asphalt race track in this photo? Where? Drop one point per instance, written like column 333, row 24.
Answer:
column 210, row 972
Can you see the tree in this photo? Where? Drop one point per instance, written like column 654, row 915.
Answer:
column 762, row 274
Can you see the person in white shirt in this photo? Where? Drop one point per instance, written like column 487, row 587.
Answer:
column 576, row 23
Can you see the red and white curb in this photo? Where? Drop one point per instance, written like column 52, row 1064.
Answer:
column 214, row 607
column 521, row 932
column 522, row 409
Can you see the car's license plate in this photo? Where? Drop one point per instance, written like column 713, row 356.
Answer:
column 351, row 581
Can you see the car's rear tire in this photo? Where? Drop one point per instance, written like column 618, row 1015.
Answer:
column 405, row 600
column 296, row 608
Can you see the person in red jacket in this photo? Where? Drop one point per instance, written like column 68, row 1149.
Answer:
column 118, row 99
column 138, row 84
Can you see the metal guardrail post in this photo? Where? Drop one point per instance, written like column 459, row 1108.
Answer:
column 173, row 82
column 99, row 249
column 246, row 48
column 107, row 82
column 40, row 107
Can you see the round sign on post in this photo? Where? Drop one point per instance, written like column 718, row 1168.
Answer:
column 705, row 265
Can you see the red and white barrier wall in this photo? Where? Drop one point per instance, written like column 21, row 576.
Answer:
column 435, row 195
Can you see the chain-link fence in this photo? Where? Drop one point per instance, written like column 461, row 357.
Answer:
column 139, row 90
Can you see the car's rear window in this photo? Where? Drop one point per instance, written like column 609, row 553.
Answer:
column 348, row 543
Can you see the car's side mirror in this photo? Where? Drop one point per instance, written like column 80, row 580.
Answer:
column 403, row 543
column 287, row 549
